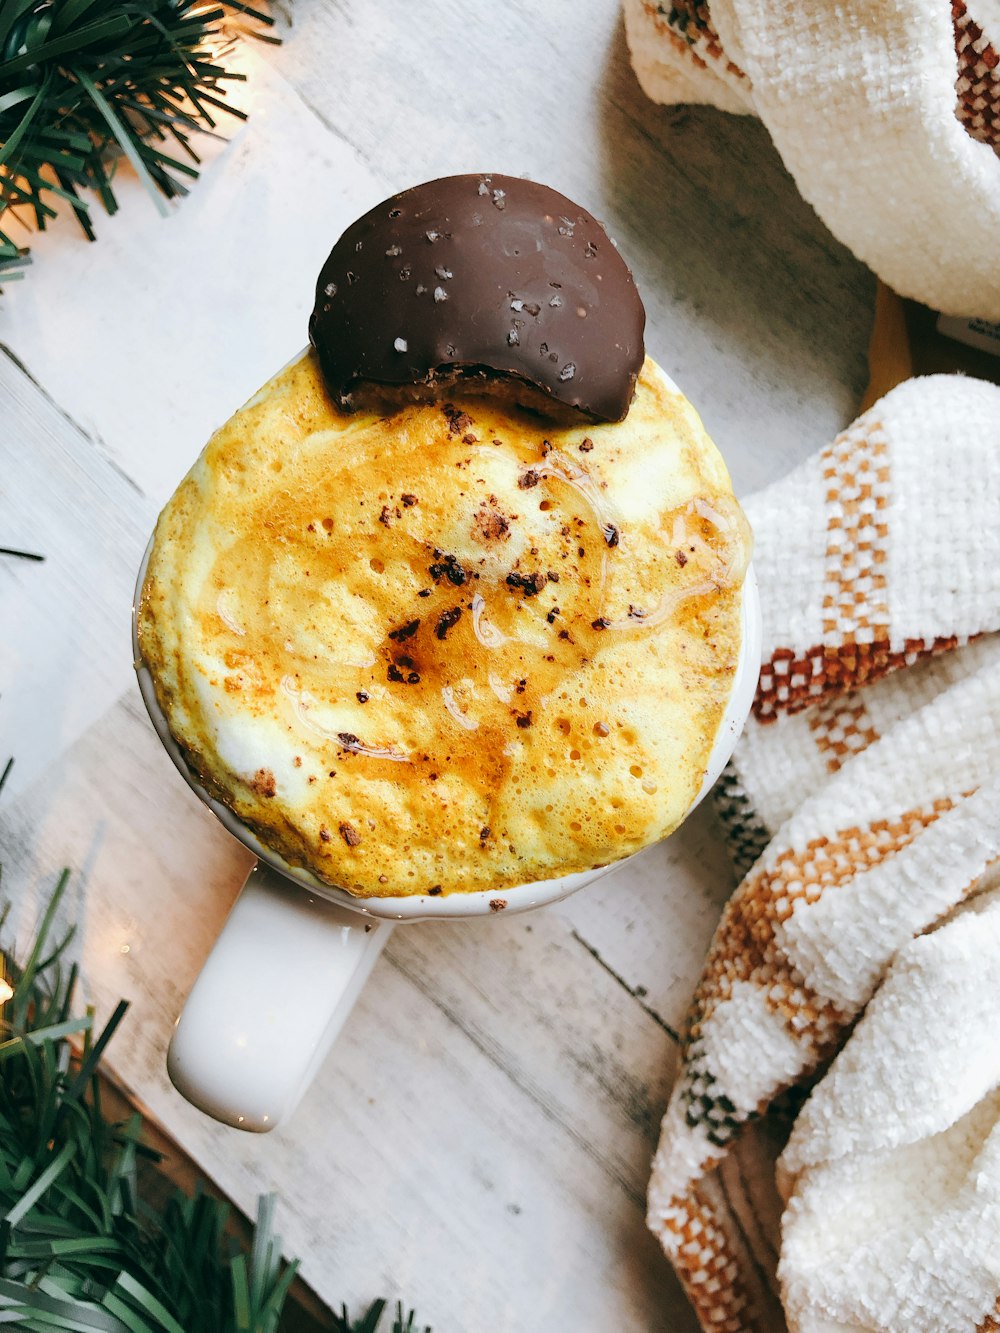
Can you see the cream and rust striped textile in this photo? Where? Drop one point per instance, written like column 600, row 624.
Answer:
column 887, row 115
column 863, row 805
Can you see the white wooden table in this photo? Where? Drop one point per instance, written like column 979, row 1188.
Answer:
column 479, row 1141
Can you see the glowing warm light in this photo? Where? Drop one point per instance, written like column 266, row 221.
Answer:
column 6, row 991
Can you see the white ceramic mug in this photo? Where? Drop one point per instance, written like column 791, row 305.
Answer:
column 295, row 952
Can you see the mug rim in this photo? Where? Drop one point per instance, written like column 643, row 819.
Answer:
column 458, row 906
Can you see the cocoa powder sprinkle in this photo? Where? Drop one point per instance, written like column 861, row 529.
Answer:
column 530, row 584
column 446, row 620
column 263, row 783
column 350, row 835
column 406, row 631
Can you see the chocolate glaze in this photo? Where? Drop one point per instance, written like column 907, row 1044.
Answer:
column 481, row 275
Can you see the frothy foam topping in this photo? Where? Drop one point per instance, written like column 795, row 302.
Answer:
column 454, row 648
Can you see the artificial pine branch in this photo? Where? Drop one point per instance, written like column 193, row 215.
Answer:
column 80, row 1248
column 82, row 81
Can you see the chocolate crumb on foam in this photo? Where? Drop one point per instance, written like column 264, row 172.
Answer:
column 485, row 282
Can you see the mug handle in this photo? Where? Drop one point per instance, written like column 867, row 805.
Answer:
column 270, row 1000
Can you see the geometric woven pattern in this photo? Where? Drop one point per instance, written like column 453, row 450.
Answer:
column 869, row 819
column 883, row 113
column 746, row 949
column 692, row 20
column 855, row 647
column 840, row 728
column 978, row 84
column 794, row 681
column 707, row 1265
column 856, row 474
column 746, row 834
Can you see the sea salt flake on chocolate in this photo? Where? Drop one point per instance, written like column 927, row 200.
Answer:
column 401, row 345
column 512, row 248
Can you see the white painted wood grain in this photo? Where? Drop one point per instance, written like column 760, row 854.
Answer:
column 151, row 337
column 65, row 654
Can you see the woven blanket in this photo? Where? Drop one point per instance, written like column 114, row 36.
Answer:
column 887, row 115
column 850, row 996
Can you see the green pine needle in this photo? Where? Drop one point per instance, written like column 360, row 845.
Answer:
column 80, row 1248
column 84, row 81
